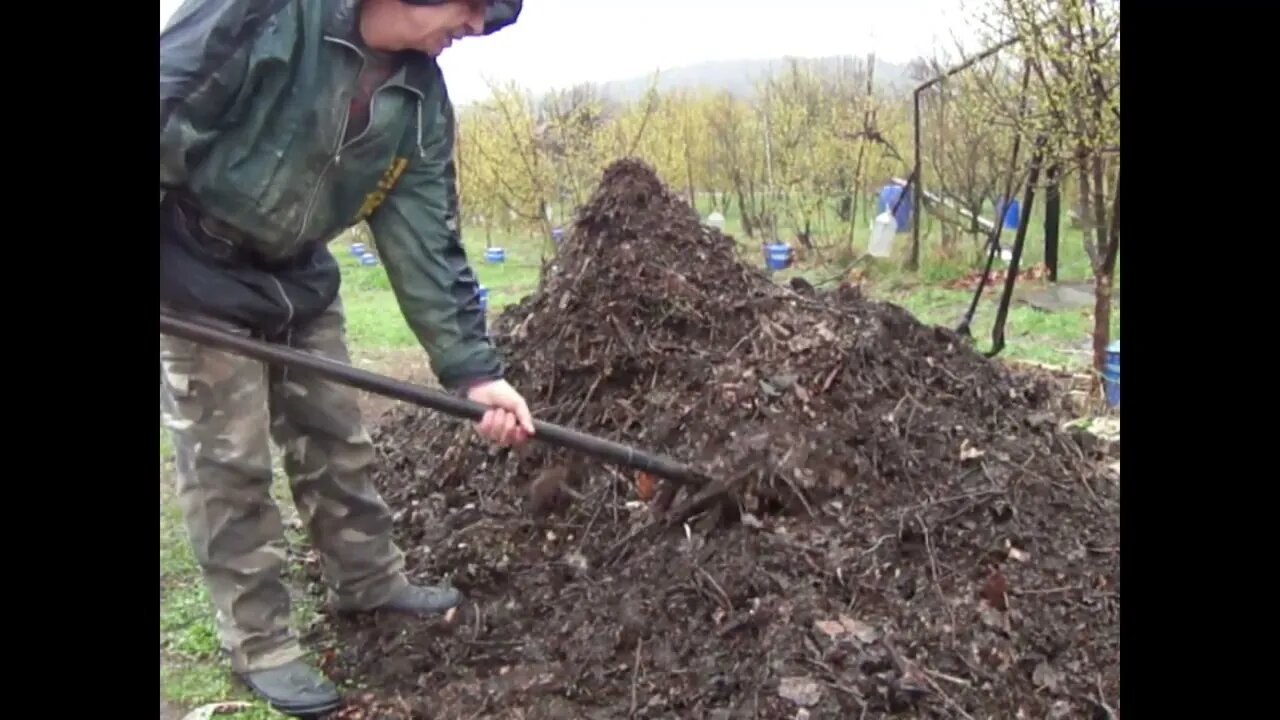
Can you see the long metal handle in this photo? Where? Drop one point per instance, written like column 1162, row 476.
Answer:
column 459, row 407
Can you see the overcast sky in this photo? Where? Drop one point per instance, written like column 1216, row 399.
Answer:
column 558, row 43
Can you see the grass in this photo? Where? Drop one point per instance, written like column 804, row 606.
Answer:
column 194, row 673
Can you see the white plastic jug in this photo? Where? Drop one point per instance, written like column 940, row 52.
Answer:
column 882, row 231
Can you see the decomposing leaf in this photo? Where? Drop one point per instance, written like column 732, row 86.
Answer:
column 644, row 486
column 846, row 627
column 995, row 591
column 802, row 393
column 1046, row 677
column 801, row 690
column 968, row 452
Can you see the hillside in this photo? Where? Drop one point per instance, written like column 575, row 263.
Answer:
column 739, row 76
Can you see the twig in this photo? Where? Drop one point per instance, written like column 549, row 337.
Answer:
column 964, row 510
column 933, row 565
column 1046, row 591
column 933, row 559
column 1111, row 713
column 587, row 399
column 903, row 668
column 635, row 679
column 953, row 498
column 879, row 541
column 599, row 506
column 949, row 678
column 728, row 604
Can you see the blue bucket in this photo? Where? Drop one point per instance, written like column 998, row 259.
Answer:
column 368, row 259
column 1111, row 374
column 484, row 298
column 495, row 255
column 357, row 249
column 889, row 195
column 1011, row 215
column 777, row 256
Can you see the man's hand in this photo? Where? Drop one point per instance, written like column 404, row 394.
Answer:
column 508, row 421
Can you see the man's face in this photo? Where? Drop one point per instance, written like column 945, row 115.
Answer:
column 432, row 28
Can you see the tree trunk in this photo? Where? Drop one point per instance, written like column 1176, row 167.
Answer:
column 1104, row 274
column 748, row 227
column 1089, row 225
column 1052, row 219
column 1099, row 206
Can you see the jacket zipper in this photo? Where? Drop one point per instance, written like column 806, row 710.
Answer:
column 337, row 151
column 336, row 158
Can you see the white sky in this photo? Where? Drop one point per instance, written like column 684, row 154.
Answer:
column 558, row 43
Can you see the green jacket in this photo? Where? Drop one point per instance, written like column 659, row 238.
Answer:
column 254, row 98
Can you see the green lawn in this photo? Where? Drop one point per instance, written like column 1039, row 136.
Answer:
column 192, row 672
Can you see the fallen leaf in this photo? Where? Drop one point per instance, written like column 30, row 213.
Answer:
column 644, row 486
column 802, row 690
column 802, row 393
column 831, row 628
column 995, row 591
column 1046, row 677
column 847, row 627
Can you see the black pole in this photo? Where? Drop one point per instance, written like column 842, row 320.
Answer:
column 914, row 261
column 1019, row 239
column 372, row 382
column 993, row 242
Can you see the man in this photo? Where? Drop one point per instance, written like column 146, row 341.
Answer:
column 282, row 123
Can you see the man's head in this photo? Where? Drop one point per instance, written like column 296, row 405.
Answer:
column 430, row 26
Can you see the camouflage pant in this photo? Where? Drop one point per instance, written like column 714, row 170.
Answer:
column 219, row 407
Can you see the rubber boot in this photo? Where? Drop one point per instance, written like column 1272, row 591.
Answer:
column 412, row 600
column 294, row 689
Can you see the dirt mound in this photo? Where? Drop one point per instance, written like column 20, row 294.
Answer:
column 916, row 537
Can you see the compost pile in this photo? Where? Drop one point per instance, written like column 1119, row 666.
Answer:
column 913, row 534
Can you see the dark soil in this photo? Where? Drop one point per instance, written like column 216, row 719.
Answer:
column 912, row 534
